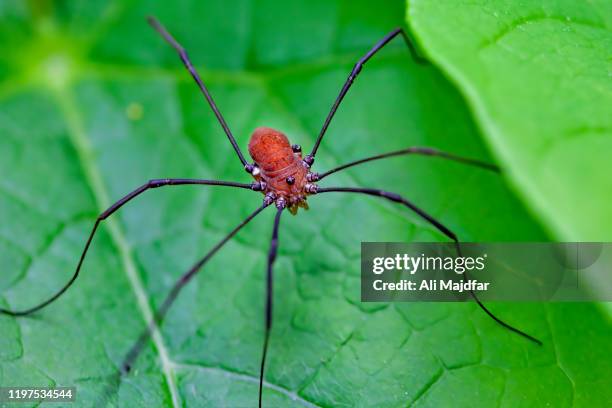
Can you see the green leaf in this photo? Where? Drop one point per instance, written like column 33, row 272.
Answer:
column 537, row 76
column 93, row 103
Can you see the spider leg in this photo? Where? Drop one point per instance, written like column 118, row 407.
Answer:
column 158, row 317
column 424, row 151
column 438, row 225
column 149, row 185
column 185, row 59
column 309, row 159
column 269, row 296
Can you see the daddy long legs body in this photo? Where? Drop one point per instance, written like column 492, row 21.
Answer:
column 286, row 180
column 279, row 170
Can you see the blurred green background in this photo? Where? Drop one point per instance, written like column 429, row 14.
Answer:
column 93, row 104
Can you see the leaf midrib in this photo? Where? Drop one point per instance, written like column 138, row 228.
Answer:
column 81, row 143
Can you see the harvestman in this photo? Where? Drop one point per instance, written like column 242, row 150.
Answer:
column 285, row 179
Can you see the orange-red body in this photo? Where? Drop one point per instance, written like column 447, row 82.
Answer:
column 272, row 153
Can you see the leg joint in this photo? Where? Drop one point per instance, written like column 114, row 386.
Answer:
column 309, row 160
column 155, row 183
column 356, row 69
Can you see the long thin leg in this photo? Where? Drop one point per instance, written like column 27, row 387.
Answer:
column 131, row 356
column 269, row 296
column 185, row 59
column 424, row 151
column 309, row 159
column 399, row 199
column 149, row 185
